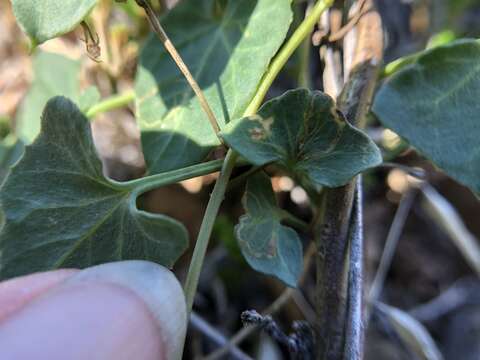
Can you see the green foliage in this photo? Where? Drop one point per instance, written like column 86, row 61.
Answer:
column 59, row 210
column 303, row 133
column 11, row 149
column 441, row 38
column 433, row 104
column 227, row 46
column 62, row 212
column 48, row 19
column 55, row 75
column 267, row 245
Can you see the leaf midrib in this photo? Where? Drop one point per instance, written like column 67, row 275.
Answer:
column 81, row 240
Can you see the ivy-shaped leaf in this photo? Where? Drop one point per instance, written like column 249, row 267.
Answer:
column 433, row 104
column 47, row 19
column 61, row 211
column 227, row 44
column 55, row 75
column 302, row 132
column 267, row 245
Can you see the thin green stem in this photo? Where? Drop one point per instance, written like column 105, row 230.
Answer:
column 111, row 103
column 286, row 52
column 396, row 65
column 152, row 182
column 440, row 39
column 221, row 185
column 206, row 228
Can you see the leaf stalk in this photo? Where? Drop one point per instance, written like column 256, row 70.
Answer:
column 304, row 29
column 207, row 227
column 152, row 182
column 111, row 103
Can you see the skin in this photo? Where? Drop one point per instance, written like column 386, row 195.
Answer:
column 43, row 316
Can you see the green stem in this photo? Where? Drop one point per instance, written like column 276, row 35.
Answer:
column 437, row 40
column 396, row 65
column 111, row 103
column 286, row 52
column 206, row 228
column 152, row 182
column 220, row 188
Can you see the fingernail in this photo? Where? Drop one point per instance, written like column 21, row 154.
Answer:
column 156, row 286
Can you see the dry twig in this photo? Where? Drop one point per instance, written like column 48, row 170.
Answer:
column 333, row 227
column 270, row 310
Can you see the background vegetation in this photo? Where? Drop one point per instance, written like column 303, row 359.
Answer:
column 433, row 272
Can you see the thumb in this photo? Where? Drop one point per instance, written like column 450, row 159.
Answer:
column 122, row 310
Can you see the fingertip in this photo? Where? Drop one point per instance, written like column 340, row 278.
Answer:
column 123, row 310
column 159, row 290
column 18, row 292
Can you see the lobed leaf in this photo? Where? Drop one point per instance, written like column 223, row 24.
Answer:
column 267, row 245
column 47, row 19
column 433, row 104
column 302, row 132
column 61, row 211
column 227, row 45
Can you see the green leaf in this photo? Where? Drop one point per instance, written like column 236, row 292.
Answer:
column 228, row 46
column 54, row 75
column 48, row 19
column 433, row 104
column 441, row 38
column 303, row 133
column 267, row 245
column 11, row 149
column 61, row 211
